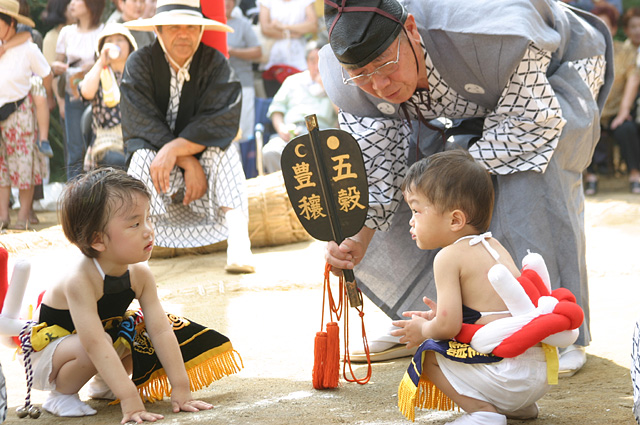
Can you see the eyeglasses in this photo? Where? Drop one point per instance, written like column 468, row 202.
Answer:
column 383, row 70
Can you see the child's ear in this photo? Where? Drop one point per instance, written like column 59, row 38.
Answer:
column 458, row 220
column 98, row 242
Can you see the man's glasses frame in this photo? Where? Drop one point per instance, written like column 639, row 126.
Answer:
column 383, row 70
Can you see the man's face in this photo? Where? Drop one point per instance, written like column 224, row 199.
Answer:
column 397, row 86
column 181, row 41
column 132, row 9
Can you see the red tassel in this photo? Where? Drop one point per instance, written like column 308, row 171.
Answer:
column 320, row 357
column 332, row 362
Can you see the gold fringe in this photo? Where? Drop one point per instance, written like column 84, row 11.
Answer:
column 202, row 371
column 407, row 393
column 425, row 396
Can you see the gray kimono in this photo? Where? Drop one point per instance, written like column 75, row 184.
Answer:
column 536, row 73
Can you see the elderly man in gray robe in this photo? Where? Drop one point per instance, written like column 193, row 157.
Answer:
column 524, row 80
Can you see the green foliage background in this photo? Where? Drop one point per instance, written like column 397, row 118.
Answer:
column 630, row 3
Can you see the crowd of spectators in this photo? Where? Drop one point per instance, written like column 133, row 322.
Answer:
column 72, row 31
column 267, row 46
column 618, row 151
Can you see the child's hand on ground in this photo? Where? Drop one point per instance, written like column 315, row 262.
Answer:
column 190, row 406
column 411, row 331
column 133, row 411
column 140, row 416
column 183, row 401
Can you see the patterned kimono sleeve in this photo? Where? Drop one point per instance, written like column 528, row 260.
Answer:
column 384, row 143
column 522, row 132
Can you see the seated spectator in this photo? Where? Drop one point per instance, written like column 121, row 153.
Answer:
column 101, row 87
column 180, row 113
column 616, row 116
column 300, row 95
column 243, row 48
column 286, row 24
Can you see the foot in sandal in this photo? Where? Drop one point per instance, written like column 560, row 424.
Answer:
column 382, row 346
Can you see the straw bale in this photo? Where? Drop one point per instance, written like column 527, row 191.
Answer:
column 17, row 242
column 272, row 219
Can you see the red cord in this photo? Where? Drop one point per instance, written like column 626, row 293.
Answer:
column 337, row 310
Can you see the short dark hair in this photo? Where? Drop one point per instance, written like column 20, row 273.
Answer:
column 608, row 10
column 55, row 14
column 90, row 200
column 454, row 180
column 9, row 20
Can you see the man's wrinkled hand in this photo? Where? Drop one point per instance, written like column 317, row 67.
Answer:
column 195, row 179
column 160, row 169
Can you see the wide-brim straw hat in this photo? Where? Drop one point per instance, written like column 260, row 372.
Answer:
column 12, row 8
column 114, row 28
column 177, row 12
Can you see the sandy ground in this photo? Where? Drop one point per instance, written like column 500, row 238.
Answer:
column 272, row 316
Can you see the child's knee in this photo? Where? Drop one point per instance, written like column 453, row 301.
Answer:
column 430, row 365
column 430, row 359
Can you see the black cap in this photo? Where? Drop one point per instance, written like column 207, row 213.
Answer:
column 361, row 30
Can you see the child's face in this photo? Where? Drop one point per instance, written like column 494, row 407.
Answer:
column 129, row 233
column 429, row 227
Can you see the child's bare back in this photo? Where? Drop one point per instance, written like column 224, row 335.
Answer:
column 473, row 263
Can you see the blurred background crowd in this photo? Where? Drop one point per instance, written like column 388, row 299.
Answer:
column 274, row 53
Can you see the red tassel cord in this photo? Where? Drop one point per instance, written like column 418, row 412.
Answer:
column 332, row 364
column 365, row 342
column 326, row 368
column 320, row 357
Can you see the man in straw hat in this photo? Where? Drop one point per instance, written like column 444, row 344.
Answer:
column 534, row 74
column 180, row 111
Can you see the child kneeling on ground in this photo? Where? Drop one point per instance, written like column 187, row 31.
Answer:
column 84, row 327
column 451, row 198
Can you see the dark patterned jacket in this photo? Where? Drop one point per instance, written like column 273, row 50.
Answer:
column 210, row 102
